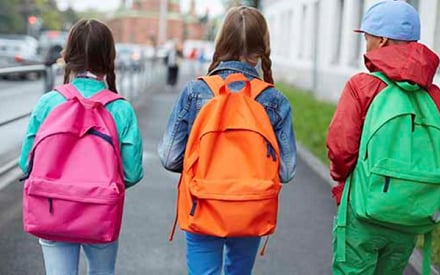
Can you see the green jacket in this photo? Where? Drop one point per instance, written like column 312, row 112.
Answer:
column 130, row 139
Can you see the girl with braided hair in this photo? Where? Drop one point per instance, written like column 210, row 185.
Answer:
column 242, row 44
column 89, row 57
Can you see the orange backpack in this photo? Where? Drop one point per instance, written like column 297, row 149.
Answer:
column 230, row 183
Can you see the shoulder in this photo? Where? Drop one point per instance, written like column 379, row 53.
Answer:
column 273, row 97
column 52, row 97
column 197, row 88
column 361, row 81
column 122, row 108
column 48, row 101
column 434, row 91
column 364, row 86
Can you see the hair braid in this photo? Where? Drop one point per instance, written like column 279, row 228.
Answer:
column 111, row 79
column 67, row 72
column 266, row 65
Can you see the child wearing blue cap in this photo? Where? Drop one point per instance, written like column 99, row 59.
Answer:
column 394, row 58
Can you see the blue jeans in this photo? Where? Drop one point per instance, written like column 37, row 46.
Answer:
column 61, row 258
column 204, row 254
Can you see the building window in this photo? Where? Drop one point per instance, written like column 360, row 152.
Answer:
column 274, row 34
column 359, row 13
column 339, row 18
column 303, row 31
column 288, row 26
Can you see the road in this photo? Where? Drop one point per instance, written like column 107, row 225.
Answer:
column 300, row 246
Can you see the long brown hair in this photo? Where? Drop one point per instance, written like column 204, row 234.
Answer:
column 244, row 35
column 90, row 47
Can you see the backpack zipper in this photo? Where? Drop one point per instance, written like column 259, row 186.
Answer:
column 193, row 208
column 101, row 135
column 50, row 205
column 386, row 184
column 270, row 151
column 413, row 122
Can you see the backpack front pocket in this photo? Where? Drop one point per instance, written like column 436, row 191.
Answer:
column 402, row 197
column 233, row 208
column 63, row 211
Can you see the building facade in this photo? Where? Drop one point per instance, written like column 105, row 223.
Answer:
column 153, row 22
column 314, row 46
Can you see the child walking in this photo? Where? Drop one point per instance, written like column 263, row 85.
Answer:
column 242, row 43
column 89, row 57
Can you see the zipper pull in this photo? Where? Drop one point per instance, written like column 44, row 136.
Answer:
column 386, row 184
column 270, row 151
column 413, row 122
column 193, row 208
column 50, row 205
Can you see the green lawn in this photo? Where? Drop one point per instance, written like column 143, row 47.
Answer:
column 311, row 118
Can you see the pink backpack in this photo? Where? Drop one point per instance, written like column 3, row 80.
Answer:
column 74, row 190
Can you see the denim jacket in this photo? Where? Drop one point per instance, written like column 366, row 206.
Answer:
column 196, row 93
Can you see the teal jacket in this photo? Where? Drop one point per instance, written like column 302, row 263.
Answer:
column 130, row 140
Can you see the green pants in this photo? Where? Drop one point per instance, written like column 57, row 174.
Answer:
column 373, row 249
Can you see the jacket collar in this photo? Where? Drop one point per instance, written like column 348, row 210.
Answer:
column 236, row 66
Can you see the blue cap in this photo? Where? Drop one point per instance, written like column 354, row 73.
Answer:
column 394, row 19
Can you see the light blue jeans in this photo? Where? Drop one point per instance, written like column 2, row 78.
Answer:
column 61, row 258
column 204, row 254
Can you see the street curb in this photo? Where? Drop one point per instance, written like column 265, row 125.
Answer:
column 416, row 259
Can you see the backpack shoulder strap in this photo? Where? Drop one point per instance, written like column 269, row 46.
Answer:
column 68, row 91
column 258, row 86
column 105, row 97
column 214, row 82
column 382, row 77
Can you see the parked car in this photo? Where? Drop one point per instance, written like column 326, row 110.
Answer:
column 17, row 50
column 130, row 57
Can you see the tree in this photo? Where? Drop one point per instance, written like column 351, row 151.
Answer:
column 51, row 16
column 10, row 19
column 70, row 17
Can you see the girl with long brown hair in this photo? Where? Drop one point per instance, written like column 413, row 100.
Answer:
column 241, row 45
column 89, row 56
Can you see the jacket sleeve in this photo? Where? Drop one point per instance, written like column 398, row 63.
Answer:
column 434, row 92
column 39, row 113
column 171, row 148
column 131, row 149
column 286, row 140
column 33, row 126
column 344, row 134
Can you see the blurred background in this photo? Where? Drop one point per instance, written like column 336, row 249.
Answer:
column 313, row 49
column 312, row 43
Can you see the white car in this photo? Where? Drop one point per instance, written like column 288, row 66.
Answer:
column 17, row 50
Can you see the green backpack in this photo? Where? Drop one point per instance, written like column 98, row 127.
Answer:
column 396, row 181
